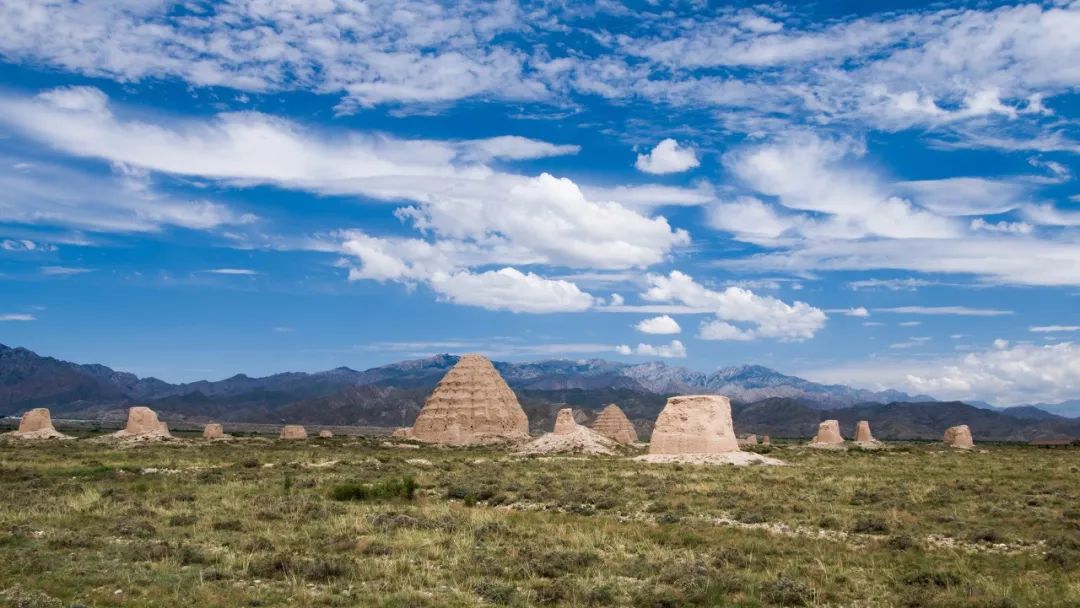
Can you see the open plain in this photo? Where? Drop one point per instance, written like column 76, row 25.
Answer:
column 381, row 522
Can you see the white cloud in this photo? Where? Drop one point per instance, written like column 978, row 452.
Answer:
column 767, row 317
column 455, row 197
column 1053, row 328
column 859, row 311
column 674, row 350
column 64, row 271
column 963, row 311
column 910, row 323
column 1006, row 227
column 510, row 289
column 17, row 317
column 659, row 325
column 667, row 157
column 1004, row 375
column 26, row 245
column 911, row 342
column 910, row 284
column 233, row 271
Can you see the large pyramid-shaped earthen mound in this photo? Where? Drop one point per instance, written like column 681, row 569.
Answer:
column 143, row 424
column 613, row 424
column 959, row 437
column 569, row 437
column 694, row 424
column 828, row 435
column 37, row 424
column 471, row 405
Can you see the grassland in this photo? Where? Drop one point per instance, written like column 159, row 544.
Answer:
column 331, row 523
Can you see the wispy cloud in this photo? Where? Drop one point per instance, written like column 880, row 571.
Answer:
column 233, row 271
column 64, row 271
column 17, row 317
column 1043, row 329
column 963, row 311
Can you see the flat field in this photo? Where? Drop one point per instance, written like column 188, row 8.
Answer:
column 255, row 522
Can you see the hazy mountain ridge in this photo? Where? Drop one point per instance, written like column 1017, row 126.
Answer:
column 765, row 400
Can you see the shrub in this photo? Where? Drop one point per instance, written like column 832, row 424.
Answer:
column 787, row 592
column 387, row 489
column 871, row 526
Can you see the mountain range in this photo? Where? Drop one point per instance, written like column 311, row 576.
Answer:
column 765, row 400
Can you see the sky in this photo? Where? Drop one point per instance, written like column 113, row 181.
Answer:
column 877, row 194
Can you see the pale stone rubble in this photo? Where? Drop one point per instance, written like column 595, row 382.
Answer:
column 326, row 434
column 698, row 429
column 293, row 431
column 570, row 437
column 471, row 405
column 613, row 424
column 143, row 425
column 36, row 424
column 959, row 437
column 828, row 436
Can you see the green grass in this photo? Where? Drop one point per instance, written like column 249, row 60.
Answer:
column 253, row 523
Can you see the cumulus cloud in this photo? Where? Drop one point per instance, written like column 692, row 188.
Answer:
column 510, row 289
column 659, row 325
column 667, row 157
column 762, row 316
column 674, row 350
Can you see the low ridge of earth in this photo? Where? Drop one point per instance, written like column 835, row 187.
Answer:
column 257, row 522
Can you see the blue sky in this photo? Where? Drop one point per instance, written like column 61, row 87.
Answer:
column 882, row 199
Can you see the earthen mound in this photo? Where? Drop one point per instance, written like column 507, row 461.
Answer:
column 613, row 424
column 292, row 431
column 863, row 437
column 325, row 434
column 694, row 424
column 959, row 437
column 748, row 441
column 569, row 437
column 766, row 440
column 143, row 425
column 36, row 424
column 214, row 431
column 471, row 405
column 828, row 436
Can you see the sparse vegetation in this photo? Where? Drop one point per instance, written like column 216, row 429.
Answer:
column 214, row 525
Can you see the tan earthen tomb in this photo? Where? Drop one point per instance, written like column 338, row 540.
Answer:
column 143, row 424
column 36, row 424
column 694, row 424
column 959, row 437
column 293, row 431
column 614, row 424
column 214, row 431
column 828, row 435
column 471, row 405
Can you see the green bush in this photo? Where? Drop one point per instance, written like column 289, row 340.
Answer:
column 387, row 489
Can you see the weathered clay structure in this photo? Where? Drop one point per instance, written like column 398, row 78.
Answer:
column 863, row 436
column 471, row 405
column 694, row 424
column 293, row 431
column 36, row 424
column 570, row 437
column 613, row 424
column 959, row 437
column 143, row 424
column 828, row 435
column 748, row 441
column 214, row 431
column 326, row 434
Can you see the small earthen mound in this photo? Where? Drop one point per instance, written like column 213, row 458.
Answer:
column 36, row 424
column 694, row 424
column 471, row 405
column 569, row 437
column 959, row 437
column 613, row 424
column 325, row 434
column 403, row 433
column 143, row 425
column 863, row 437
column 766, row 440
column 214, row 431
column 748, row 441
column 828, row 436
column 292, row 431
